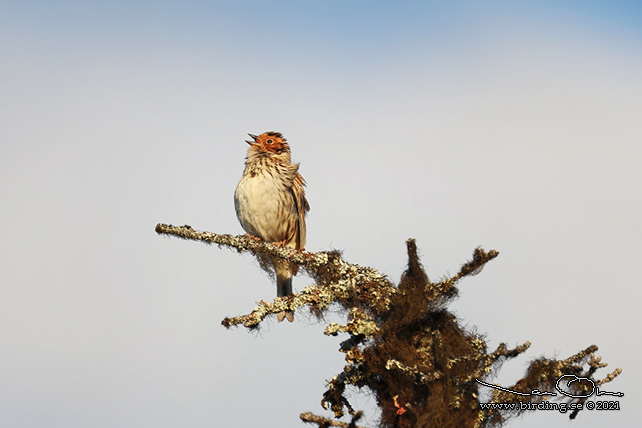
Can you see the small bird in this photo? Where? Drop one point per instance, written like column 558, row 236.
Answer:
column 270, row 202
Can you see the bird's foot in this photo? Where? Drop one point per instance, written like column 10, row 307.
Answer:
column 279, row 244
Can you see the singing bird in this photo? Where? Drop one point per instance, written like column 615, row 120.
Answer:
column 270, row 202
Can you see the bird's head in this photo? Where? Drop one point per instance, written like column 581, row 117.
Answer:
column 268, row 143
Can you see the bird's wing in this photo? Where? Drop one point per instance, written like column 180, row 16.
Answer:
column 300, row 205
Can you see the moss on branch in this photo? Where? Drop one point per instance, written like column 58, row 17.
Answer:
column 402, row 344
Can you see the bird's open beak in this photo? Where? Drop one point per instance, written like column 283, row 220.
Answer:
column 254, row 137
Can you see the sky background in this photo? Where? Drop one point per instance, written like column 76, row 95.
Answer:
column 515, row 126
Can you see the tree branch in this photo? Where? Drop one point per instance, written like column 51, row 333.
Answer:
column 403, row 345
column 325, row 422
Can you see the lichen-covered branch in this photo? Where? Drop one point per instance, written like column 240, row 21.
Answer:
column 326, row 423
column 402, row 343
column 244, row 243
column 336, row 280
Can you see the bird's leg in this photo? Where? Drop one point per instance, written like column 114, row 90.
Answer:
column 252, row 237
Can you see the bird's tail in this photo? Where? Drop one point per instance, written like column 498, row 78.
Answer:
column 283, row 288
column 283, row 281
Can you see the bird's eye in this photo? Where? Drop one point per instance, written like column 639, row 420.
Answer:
column 269, row 141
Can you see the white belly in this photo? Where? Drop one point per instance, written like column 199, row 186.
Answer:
column 263, row 206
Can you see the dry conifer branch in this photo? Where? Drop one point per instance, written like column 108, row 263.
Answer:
column 403, row 345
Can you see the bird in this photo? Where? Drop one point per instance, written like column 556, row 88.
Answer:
column 270, row 202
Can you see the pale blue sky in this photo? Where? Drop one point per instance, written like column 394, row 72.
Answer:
column 511, row 125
